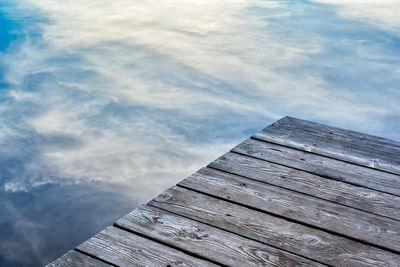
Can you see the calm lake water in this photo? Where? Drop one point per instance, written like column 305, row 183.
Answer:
column 104, row 104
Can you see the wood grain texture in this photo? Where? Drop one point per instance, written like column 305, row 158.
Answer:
column 304, row 182
column 75, row 259
column 206, row 241
column 341, row 135
column 296, row 194
column 320, row 165
column 320, row 213
column 301, row 240
column 126, row 249
column 366, row 150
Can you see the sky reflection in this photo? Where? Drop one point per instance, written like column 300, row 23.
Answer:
column 104, row 104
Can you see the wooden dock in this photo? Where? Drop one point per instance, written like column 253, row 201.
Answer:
column 295, row 194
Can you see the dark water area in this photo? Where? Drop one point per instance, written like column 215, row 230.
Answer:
column 37, row 225
column 105, row 104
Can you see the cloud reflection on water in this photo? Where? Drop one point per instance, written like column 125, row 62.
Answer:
column 140, row 94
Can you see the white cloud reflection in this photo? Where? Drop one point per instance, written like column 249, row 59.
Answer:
column 145, row 92
column 383, row 13
column 111, row 102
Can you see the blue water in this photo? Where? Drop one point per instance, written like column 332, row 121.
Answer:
column 104, row 104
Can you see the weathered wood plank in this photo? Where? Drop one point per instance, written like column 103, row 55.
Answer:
column 320, row 213
column 74, row 259
column 297, row 194
column 340, row 135
column 301, row 240
column 304, row 182
column 126, row 249
column 206, row 241
column 366, row 150
column 320, row 165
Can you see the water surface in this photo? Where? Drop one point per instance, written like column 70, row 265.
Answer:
column 104, row 104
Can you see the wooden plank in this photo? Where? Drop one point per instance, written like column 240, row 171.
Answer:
column 340, row 135
column 320, row 165
column 74, row 259
column 301, row 240
column 206, row 241
column 366, row 150
column 304, row 182
column 126, row 249
column 323, row 214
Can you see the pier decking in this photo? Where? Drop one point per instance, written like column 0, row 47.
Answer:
column 295, row 194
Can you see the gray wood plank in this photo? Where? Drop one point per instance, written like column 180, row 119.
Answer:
column 301, row 181
column 301, row 240
column 206, row 241
column 366, row 150
column 74, row 259
column 321, row 165
column 320, row 213
column 340, row 135
column 126, row 249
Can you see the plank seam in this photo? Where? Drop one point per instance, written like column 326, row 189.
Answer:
column 293, row 221
column 315, row 153
column 95, row 257
column 366, row 141
column 171, row 213
column 334, row 129
column 386, row 142
column 228, row 231
column 166, row 244
column 323, row 176
column 292, row 190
